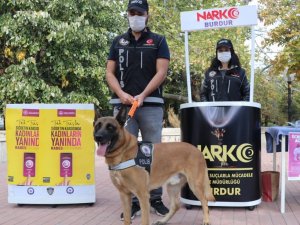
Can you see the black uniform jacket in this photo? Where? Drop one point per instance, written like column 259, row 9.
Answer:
column 136, row 62
column 231, row 86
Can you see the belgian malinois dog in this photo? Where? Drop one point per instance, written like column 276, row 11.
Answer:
column 173, row 164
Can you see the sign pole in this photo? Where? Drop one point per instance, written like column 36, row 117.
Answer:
column 252, row 63
column 187, row 65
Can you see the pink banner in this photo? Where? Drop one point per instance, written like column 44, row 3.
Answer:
column 294, row 156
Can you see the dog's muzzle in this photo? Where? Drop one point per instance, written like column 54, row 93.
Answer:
column 102, row 144
column 98, row 138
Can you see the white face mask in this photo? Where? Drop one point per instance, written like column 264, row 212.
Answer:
column 137, row 23
column 224, row 57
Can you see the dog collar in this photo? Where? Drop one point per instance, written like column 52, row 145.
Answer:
column 123, row 165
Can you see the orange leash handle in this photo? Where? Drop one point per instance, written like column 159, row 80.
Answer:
column 133, row 108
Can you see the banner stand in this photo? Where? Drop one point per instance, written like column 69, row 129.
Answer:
column 51, row 153
column 233, row 157
column 229, row 136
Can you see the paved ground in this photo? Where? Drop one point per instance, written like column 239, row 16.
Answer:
column 107, row 209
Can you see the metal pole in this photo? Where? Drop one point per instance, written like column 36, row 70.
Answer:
column 187, row 66
column 282, row 194
column 289, row 101
column 252, row 63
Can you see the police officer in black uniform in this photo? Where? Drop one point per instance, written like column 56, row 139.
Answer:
column 225, row 79
column 136, row 68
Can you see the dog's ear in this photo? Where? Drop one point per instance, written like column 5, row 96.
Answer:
column 121, row 117
column 97, row 115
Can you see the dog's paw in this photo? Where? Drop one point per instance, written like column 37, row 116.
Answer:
column 158, row 223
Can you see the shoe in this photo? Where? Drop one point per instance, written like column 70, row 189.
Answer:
column 159, row 207
column 135, row 211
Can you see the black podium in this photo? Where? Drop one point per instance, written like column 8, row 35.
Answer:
column 229, row 136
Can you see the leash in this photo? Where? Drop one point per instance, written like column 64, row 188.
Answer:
column 131, row 111
column 131, row 162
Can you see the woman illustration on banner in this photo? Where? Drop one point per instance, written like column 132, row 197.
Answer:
column 297, row 153
column 225, row 79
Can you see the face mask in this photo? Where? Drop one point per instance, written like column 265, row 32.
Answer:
column 224, row 57
column 137, row 23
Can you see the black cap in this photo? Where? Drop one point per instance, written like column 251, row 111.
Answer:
column 224, row 43
column 139, row 5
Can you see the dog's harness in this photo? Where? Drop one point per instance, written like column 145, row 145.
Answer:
column 143, row 158
column 144, row 153
column 123, row 165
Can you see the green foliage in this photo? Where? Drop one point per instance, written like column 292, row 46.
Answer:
column 284, row 19
column 55, row 51
column 268, row 92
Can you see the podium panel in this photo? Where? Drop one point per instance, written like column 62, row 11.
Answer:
column 229, row 136
column 50, row 150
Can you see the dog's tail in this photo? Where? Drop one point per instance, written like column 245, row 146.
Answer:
column 207, row 189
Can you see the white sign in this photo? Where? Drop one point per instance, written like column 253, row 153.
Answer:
column 219, row 18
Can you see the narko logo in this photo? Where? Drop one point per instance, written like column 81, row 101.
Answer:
column 243, row 153
column 221, row 14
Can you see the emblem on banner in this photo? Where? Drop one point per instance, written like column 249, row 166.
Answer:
column 10, row 179
column 88, row 176
column 219, row 134
column 30, row 191
column 50, row 190
column 70, row 190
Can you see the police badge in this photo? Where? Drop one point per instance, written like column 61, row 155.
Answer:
column 123, row 42
column 212, row 73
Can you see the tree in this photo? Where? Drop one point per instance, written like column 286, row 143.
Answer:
column 55, row 51
column 284, row 19
column 268, row 93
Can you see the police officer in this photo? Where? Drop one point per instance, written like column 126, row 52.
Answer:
column 136, row 68
column 225, row 79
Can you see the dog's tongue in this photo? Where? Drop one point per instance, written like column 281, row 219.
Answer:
column 101, row 150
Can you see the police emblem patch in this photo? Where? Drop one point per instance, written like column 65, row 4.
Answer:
column 149, row 41
column 146, row 150
column 123, row 42
column 144, row 155
column 212, row 73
